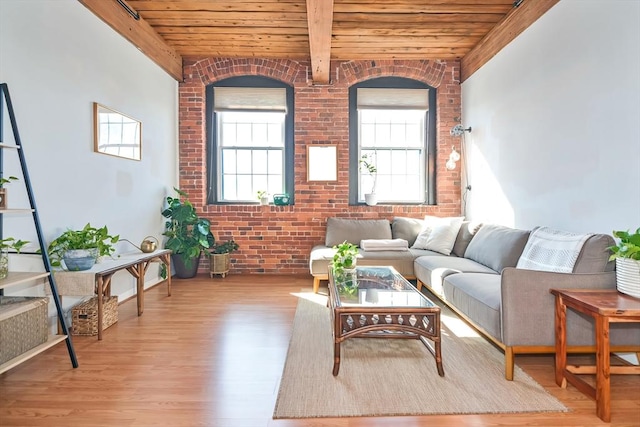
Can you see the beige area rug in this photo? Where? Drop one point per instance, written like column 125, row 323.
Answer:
column 381, row 377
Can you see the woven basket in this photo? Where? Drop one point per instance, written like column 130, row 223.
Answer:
column 23, row 325
column 219, row 264
column 84, row 316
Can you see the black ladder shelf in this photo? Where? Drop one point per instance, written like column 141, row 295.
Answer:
column 15, row 278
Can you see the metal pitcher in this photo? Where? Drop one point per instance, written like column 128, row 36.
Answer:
column 149, row 245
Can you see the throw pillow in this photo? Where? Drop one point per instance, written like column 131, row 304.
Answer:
column 439, row 234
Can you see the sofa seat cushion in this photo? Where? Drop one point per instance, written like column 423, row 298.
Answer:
column 319, row 260
column 478, row 297
column 402, row 261
column 431, row 270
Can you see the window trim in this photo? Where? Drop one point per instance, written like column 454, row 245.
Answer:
column 211, row 143
column 430, row 133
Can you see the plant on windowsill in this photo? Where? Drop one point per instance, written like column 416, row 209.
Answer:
column 6, row 245
column 219, row 257
column 79, row 249
column 263, row 196
column 3, row 191
column 368, row 164
column 626, row 253
column 188, row 234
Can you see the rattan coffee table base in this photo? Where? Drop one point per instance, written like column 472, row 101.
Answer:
column 358, row 320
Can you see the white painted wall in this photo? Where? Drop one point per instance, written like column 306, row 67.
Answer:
column 556, row 122
column 57, row 59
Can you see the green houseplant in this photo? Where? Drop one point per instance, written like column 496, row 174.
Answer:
column 219, row 259
column 626, row 253
column 79, row 249
column 3, row 191
column 263, row 196
column 188, row 234
column 628, row 245
column 368, row 164
column 7, row 244
column 344, row 258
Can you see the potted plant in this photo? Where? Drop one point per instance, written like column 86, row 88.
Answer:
column 188, row 234
column 3, row 191
column 345, row 257
column 7, row 244
column 219, row 257
column 79, row 249
column 368, row 164
column 263, row 196
column 626, row 253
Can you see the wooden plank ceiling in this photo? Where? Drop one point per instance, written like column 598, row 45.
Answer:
column 318, row 30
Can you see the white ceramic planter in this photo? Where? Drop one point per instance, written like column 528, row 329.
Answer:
column 628, row 276
column 371, row 199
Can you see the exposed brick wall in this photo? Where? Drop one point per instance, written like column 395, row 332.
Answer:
column 278, row 239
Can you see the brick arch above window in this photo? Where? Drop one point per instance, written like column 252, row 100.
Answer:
column 425, row 71
column 213, row 69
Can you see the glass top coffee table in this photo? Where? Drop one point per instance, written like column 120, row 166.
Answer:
column 377, row 302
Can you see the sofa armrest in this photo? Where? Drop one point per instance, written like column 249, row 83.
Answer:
column 528, row 308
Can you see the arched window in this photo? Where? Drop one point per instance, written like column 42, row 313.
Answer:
column 249, row 139
column 392, row 123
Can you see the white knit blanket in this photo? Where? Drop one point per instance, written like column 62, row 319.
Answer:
column 551, row 250
column 384, row 245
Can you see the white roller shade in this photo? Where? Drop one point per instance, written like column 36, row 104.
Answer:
column 249, row 98
column 380, row 98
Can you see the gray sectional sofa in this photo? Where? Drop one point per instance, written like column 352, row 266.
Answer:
column 479, row 280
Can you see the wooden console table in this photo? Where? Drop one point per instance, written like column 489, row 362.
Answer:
column 97, row 280
column 605, row 306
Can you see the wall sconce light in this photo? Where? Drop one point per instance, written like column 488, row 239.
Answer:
column 459, row 130
column 453, row 158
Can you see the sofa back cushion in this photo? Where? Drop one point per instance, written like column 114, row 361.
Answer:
column 406, row 228
column 594, row 256
column 355, row 230
column 497, row 246
column 468, row 229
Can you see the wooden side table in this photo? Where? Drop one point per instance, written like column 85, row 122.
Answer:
column 98, row 278
column 605, row 306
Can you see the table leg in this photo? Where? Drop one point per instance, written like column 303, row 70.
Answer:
column 561, row 341
column 438, row 356
column 137, row 271
column 336, row 358
column 603, row 368
column 100, row 289
column 140, row 288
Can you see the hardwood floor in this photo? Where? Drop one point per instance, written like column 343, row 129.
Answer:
column 212, row 355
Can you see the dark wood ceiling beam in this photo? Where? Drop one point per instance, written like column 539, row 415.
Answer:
column 514, row 23
column 320, row 21
column 139, row 33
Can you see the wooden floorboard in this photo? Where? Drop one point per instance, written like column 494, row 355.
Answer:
column 212, row 355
